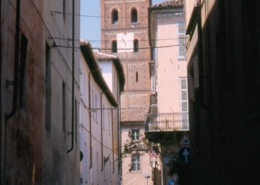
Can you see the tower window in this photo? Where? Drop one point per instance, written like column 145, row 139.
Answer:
column 114, row 46
column 136, row 45
column 114, row 16
column 134, row 16
column 136, row 76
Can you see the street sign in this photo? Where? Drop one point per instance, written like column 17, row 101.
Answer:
column 184, row 155
column 152, row 153
column 185, row 140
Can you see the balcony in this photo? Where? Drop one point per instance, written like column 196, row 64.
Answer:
column 167, row 122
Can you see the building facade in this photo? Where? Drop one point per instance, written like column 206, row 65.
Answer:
column 168, row 115
column 124, row 32
column 223, row 81
column 39, row 92
column 102, row 81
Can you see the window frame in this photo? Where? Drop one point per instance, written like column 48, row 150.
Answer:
column 136, row 162
column 181, row 41
column 135, row 135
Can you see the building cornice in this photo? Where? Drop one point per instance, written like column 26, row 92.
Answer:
column 96, row 73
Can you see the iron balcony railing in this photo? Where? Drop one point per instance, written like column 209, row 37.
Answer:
column 167, row 122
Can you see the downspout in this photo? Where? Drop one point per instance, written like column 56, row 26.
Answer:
column 200, row 58
column 1, row 94
column 113, row 146
column 73, row 66
column 90, row 126
column 15, row 81
column 101, row 131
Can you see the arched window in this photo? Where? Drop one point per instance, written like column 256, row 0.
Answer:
column 114, row 46
column 134, row 16
column 114, row 16
column 136, row 45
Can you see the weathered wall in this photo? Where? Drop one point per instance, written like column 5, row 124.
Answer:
column 30, row 153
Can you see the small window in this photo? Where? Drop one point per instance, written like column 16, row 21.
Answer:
column 114, row 16
column 134, row 16
column 136, row 76
column 64, row 10
column 135, row 162
column 135, row 135
column 114, row 46
column 48, row 88
column 136, row 45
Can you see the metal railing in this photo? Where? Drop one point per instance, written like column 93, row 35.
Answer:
column 167, row 122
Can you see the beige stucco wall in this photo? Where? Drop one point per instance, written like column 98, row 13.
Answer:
column 135, row 177
column 169, row 67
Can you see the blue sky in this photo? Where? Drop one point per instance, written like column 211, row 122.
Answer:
column 90, row 21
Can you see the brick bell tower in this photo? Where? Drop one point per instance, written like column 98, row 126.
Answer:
column 124, row 32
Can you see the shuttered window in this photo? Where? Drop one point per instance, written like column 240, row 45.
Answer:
column 181, row 36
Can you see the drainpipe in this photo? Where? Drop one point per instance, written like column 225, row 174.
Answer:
column 1, row 94
column 15, row 81
column 73, row 66
column 113, row 146
column 101, row 131
column 200, row 58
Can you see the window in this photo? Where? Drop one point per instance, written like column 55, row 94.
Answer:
column 76, row 121
column 63, row 107
column 92, row 104
column 134, row 16
column 114, row 46
column 136, row 76
column 96, row 107
column 135, row 135
column 103, row 116
column 24, row 44
column 136, row 45
column 181, row 35
column 114, row 16
column 64, row 10
column 109, row 121
column 135, row 162
column 184, row 103
column 48, row 88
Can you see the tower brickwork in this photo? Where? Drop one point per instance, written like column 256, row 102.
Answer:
column 124, row 32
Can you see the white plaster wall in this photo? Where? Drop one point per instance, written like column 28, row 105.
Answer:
column 95, row 174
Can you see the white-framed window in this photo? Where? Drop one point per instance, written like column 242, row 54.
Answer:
column 96, row 107
column 182, row 41
column 184, row 103
column 109, row 122
column 103, row 117
column 135, row 135
column 135, row 162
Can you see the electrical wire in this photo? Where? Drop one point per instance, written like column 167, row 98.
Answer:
column 95, row 16
column 69, row 39
column 123, row 48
